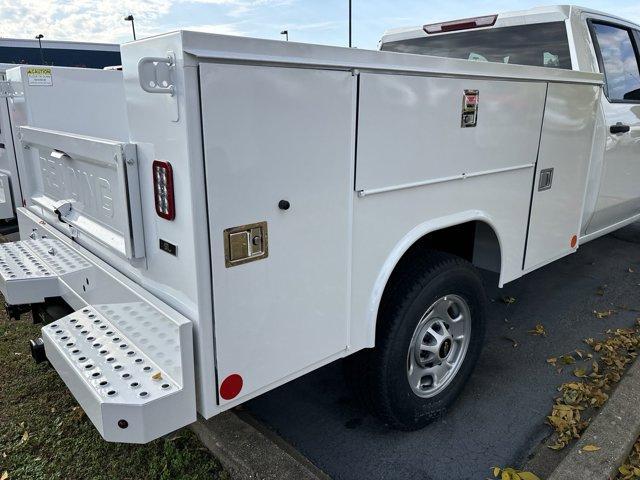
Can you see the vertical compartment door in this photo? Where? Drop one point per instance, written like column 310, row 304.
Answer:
column 561, row 174
column 278, row 146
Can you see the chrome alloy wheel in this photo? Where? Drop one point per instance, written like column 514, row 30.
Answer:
column 439, row 345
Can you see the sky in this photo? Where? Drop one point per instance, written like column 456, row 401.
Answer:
column 313, row 21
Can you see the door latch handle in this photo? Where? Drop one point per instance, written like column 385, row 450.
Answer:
column 619, row 128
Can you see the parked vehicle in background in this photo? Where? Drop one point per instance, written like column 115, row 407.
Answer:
column 59, row 53
column 278, row 206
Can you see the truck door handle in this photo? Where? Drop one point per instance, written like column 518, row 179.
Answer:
column 619, row 128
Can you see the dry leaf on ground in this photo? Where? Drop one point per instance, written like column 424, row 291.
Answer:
column 538, row 330
column 590, row 448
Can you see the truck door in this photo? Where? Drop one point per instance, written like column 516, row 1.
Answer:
column 616, row 47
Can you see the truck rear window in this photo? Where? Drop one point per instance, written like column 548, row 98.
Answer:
column 539, row 44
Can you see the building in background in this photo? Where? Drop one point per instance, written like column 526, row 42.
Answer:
column 66, row 54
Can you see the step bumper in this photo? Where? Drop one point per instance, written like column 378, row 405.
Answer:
column 127, row 361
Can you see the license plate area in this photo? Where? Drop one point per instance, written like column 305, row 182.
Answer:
column 86, row 187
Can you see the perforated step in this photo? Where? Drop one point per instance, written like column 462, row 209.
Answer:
column 29, row 270
column 124, row 364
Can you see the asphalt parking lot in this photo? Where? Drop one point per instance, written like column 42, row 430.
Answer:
column 500, row 417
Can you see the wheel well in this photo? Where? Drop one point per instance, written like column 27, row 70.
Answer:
column 475, row 241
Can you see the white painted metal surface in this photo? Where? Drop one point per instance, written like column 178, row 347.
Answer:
column 9, row 179
column 68, row 103
column 367, row 148
column 86, row 187
column 120, row 335
column 565, row 147
column 252, row 163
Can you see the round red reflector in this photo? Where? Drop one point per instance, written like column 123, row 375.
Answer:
column 574, row 241
column 231, row 386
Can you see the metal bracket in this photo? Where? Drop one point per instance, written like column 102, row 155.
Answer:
column 157, row 75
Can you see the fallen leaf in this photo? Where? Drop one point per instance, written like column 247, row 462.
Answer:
column 157, row 376
column 25, row 437
column 580, row 373
column 567, row 359
column 538, row 330
column 552, row 361
column 4, row 476
column 590, row 448
column 508, row 300
column 496, row 471
column 604, row 313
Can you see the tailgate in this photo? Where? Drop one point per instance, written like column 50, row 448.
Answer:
column 86, row 187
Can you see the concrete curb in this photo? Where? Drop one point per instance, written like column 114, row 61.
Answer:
column 248, row 451
column 615, row 429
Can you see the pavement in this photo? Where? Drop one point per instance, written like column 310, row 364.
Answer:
column 499, row 418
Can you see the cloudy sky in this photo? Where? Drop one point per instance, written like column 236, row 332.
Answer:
column 318, row 21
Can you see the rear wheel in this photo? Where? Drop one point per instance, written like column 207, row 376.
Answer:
column 429, row 336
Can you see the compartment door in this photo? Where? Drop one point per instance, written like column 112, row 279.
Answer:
column 561, row 173
column 280, row 275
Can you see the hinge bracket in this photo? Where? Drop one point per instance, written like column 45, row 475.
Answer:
column 157, row 75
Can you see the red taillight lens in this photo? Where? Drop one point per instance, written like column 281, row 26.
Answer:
column 464, row 24
column 163, row 189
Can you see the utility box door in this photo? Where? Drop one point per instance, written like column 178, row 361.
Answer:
column 561, row 172
column 275, row 134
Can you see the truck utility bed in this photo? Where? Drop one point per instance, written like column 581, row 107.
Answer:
column 299, row 176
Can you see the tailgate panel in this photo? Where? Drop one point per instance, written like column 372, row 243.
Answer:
column 86, row 187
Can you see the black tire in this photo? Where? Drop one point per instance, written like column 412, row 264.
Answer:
column 379, row 375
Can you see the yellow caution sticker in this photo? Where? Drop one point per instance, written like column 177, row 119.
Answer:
column 40, row 76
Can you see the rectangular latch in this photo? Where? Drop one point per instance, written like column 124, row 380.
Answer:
column 245, row 243
column 546, row 179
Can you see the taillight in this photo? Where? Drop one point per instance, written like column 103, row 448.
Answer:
column 464, row 24
column 163, row 189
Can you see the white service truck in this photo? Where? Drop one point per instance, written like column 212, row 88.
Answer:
column 29, row 95
column 279, row 206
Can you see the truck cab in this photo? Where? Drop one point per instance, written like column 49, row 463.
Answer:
column 566, row 37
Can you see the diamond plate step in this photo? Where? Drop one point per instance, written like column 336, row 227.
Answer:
column 30, row 270
column 124, row 364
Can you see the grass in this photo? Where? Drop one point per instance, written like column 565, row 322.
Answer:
column 44, row 434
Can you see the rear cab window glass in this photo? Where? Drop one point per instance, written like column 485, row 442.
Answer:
column 539, row 44
column 619, row 61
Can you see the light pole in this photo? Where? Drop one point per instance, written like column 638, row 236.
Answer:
column 349, row 23
column 285, row 33
column 40, row 37
column 129, row 18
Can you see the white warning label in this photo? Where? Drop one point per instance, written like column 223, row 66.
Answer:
column 40, row 76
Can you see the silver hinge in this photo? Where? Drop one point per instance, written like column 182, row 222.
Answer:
column 158, row 75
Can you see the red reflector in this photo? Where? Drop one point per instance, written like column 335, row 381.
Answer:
column 231, row 386
column 574, row 241
column 163, row 189
column 464, row 24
